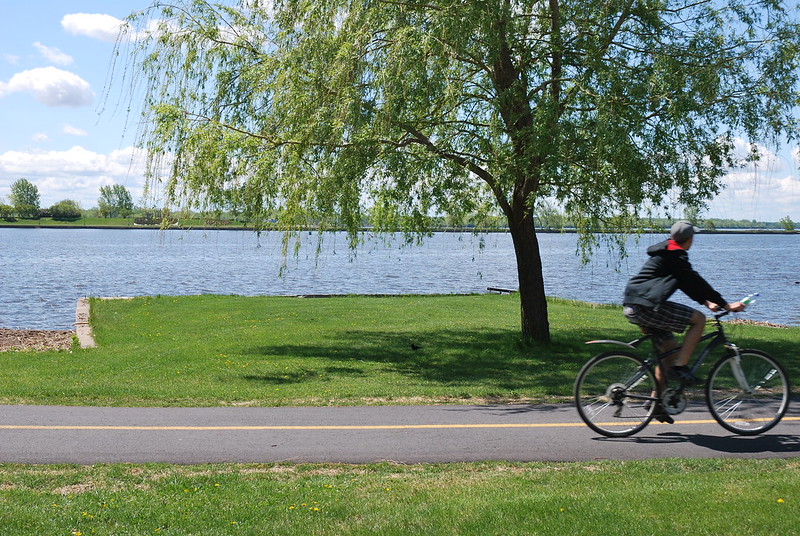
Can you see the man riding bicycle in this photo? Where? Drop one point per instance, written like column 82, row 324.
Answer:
column 646, row 304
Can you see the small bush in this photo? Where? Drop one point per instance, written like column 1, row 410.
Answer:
column 7, row 212
column 65, row 210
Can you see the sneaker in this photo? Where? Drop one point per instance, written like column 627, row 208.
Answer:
column 684, row 375
column 661, row 415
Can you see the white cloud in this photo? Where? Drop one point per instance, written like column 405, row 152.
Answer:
column 40, row 137
column 766, row 190
column 73, row 131
column 11, row 58
column 50, row 86
column 94, row 25
column 76, row 173
column 53, row 54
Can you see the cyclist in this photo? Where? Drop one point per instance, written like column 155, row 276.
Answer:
column 646, row 304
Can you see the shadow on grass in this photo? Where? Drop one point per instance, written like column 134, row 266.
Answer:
column 490, row 359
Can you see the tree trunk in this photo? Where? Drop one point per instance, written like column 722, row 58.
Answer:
column 533, row 304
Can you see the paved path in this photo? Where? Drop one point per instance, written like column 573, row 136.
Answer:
column 407, row 434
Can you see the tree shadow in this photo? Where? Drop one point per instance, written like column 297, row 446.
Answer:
column 495, row 359
column 303, row 374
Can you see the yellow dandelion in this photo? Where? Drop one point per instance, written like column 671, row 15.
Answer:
column 780, row 500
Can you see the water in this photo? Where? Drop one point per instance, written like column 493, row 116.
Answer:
column 45, row 271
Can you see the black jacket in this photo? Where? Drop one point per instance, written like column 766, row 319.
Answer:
column 666, row 271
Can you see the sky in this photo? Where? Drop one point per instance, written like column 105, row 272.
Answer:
column 64, row 128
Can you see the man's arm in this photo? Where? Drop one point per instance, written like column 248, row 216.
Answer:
column 693, row 284
column 734, row 307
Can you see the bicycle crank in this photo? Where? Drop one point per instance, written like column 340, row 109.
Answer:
column 674, row 401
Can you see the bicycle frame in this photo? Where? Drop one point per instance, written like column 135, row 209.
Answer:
column 746, row 390
column 716, row 339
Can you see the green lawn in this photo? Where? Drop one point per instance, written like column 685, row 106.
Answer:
column 699, row 497
column 229, row 350
column 272, row 351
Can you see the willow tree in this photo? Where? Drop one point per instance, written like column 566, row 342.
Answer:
column 334, row 111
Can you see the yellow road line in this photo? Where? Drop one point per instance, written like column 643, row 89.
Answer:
column 296, row 427
column 323, row 427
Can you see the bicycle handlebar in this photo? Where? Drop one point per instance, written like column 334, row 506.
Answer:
column 746, row 301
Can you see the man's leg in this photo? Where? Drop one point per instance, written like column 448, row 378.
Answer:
column 665, row 364
column 661, row 371
column 692, row 337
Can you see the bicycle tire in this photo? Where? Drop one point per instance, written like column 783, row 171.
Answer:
column 757, row 408
column 604, row 402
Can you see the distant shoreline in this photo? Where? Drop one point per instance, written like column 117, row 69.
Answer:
column 363, row 230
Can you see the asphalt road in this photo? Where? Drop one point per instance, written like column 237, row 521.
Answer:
column 404, row 434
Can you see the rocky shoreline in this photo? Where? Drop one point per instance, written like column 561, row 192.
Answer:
column 35, row 339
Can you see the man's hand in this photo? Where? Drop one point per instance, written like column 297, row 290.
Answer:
column 735, row 307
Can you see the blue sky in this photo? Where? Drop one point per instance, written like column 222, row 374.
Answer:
column 60, row 133
column 55, row 58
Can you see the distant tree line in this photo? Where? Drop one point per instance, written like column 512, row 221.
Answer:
column 24, row 203
column 115, row 201
column 549, row 217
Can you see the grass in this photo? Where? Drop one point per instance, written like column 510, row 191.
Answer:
column 273, row 351
column 229, row 350
column 708, row 497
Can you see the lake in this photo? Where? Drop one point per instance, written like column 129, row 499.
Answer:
column 45, row 271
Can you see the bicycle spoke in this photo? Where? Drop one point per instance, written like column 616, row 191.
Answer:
column 748, row 393
column 725, row 410
column 614, row 394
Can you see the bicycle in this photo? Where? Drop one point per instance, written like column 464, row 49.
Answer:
column 747, row 391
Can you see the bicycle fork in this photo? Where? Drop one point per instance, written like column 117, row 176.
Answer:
column 741, row 378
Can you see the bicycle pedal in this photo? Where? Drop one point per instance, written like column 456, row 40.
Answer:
column 664, row 417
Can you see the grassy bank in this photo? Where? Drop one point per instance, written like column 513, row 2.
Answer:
column 271, row 351
column 703, row 497
column 228, row 350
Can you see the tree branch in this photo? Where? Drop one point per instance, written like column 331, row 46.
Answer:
column 487, row 177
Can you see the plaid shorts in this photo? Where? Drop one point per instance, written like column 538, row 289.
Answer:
column 670, row 317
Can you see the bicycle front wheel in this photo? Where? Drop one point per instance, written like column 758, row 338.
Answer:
column 614, row 394
column 747, row 393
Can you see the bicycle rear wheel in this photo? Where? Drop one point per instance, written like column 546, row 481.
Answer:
column 614, row 394
column 748, row 394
